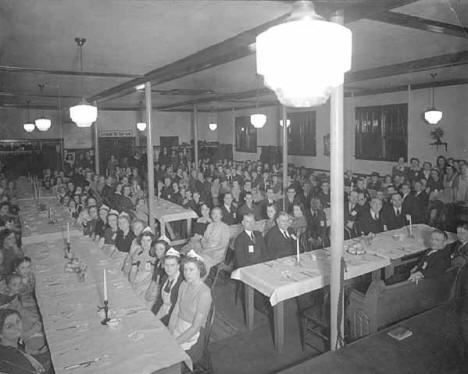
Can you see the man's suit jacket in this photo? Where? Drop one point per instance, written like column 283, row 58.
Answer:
column 434, row 264
column 391, row 220
column 246, row 257
column 244, row 209
column 263, row 207
column 317, row 225
column 366, row 224
column 419, row 213
column 277, row 245
column 229, row 217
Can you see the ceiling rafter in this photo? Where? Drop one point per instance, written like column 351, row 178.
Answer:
column 18, row 69
column 234, row 48
column 419, row 23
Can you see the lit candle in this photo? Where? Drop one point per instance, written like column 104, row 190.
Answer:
column 297, row 249
column 408, row 217
column 68, row 232
column 105, row 285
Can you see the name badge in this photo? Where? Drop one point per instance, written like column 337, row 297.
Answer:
column 251, row 249
column 424, row 265
column 353, row 213
column 322, row 224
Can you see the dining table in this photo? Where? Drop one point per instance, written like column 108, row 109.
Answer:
column 71, row 301
column 286, row 278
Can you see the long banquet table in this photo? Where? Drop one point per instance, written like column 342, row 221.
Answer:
column 77, row 340
column 283, row 279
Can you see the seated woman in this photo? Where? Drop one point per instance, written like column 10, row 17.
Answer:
column 101, row 222
column 89, row 224
column 13, row 358
column 141, row 210
column 10, row 249
column 299, row 221
column 190, row 314
column 141, row 263
column 158, row 251
column 170, row 284
column 213, row 245
column 125, row 236
column 23, row 268
column 202, row 222
column 110, row 233
column 434, row 262
column 272, row 214
column 317, row 225
column 137, row 228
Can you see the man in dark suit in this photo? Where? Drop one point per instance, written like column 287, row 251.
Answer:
column 421, row 203
column 229, row 212
column 280, row 241
column 289, row 201
column 369, row 220
column 269, row 199
column 394, row 217
column 460, row 246
column 249, row 207
column 107, row 192
column 351, row 212
column 249, row 246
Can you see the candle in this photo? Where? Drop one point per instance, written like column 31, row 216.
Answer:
column 297, row 249
column 105, row 285
column 408, row 217
column 68, row 232
column 50, row 213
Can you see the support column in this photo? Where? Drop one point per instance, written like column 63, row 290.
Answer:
column 96, row 144
column 149, row 154
column 337, row 211
column 195, row 134
column 284, row 115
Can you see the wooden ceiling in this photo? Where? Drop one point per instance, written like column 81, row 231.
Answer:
column 202, row 52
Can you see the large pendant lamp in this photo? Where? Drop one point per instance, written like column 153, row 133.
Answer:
column 258, row 120
column 43, row 123
column 213, row 122
column 28, row 126
column 83, row 114
column 433, row 115
column 304, row 58
column 141, row 124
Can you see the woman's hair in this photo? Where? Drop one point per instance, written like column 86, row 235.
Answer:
column 146, row 233
column 155, row 243
column 200, row 264
column 4, row 314
column 5, row 234
column 275, row 208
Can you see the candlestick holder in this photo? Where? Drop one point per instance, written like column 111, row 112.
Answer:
column 106, row 312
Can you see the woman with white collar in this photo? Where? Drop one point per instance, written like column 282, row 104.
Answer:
column 190, row 315
column 171, row 281
column 141, row 269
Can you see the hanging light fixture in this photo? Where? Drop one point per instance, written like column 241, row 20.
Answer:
column 83, row 114
column 141, row 124
column 303, row 59
column 28, row 125
column 288, row 123
column 213, row 123
column 258, row 120
column 432, row 115
column 42, row 123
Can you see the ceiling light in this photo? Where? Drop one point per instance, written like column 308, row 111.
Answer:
column 303, row 59
column 28, row 125
column 83, row 114
column 141, row 126
column 43, row 124
column 433, row 115
column 213, row 126
column 140, row 87
column 258, row 120
column 288, row 123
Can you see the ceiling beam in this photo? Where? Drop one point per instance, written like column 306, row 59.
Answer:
column 231, row 49
column 18, row 69
column 419, row 23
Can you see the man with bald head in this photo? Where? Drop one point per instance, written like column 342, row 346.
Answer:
column 280, row 240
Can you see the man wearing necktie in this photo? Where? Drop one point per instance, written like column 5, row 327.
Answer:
column 369, row 220
column 249, row 246
column 393, row 216
column 279, row 240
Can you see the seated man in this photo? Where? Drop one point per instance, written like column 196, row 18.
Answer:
column 434, row 262
column 460, row 246
column 369, row 220
column 280, row 241
column 249, row 246
column 228, row 211
column 249, row 207
column 393, row 216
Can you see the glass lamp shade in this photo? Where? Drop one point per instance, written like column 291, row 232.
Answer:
column 213, row 126
column 258, row 120
column 432, row 116
column 141, row 126
column 83, row 114
column 288, row 123
column 43, row 124
column 303, row 60
column 29, row 127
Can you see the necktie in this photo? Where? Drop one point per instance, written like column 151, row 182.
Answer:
column 252, row 237
column 285, row 234
column 167, row 288
column 398, row 212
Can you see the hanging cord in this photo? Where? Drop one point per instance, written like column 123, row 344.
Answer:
column 339, row 316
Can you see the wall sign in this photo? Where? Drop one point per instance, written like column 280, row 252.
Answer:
column 116, row 134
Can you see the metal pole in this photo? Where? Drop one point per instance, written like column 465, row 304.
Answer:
column 96, row 144
column 284, row 115
column 337, row 212
column 195, row 135
column 149, row 153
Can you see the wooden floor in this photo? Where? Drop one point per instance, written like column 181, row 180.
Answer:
column 435, row 348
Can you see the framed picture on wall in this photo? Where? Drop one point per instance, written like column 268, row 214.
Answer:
column 326, row 145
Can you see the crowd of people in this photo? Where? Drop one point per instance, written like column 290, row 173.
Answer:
column 244, row 218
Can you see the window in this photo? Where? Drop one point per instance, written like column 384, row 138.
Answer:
column 246, row 135
column 301, row 141
column 382, row 132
